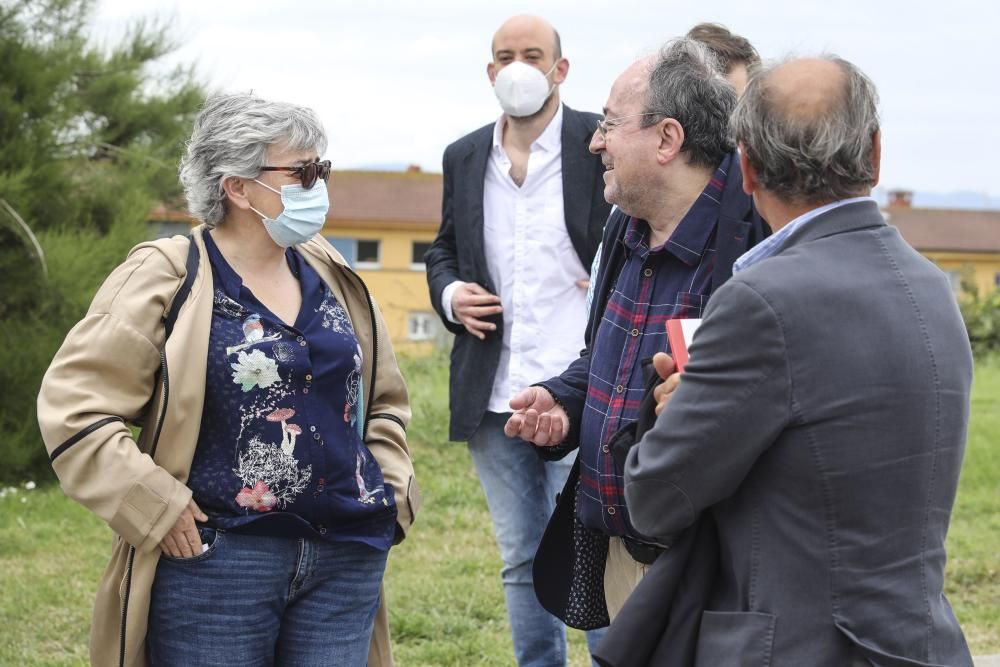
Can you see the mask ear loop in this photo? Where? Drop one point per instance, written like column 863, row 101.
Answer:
column 553, row 86
column 262, row 216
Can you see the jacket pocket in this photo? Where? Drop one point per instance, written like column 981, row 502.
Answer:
column 736, row 639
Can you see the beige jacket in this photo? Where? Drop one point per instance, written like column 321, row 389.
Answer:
column 105, row 376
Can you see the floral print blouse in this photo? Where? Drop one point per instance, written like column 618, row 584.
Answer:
column 280, row 451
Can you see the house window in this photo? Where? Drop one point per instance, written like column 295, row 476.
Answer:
column 369, row 254
column 345, row 247
column 420, row 326
column 417, row 251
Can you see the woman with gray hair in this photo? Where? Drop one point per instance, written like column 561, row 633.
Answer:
column 254, row 513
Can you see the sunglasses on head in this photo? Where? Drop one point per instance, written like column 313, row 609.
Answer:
column 307, row 173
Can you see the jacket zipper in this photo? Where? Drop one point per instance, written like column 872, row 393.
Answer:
column 165, row 387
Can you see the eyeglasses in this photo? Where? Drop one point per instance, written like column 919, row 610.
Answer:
column 307, row 173
column 605, row 125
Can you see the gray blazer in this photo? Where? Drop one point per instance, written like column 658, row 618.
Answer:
column 822, row 421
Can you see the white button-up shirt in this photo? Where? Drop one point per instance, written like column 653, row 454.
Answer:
column 533, row 266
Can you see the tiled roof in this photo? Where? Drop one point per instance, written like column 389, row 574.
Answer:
column 360, row 196
column 929, row 229
column 385, row 196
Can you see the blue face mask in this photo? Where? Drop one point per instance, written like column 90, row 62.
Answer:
column 303, row 216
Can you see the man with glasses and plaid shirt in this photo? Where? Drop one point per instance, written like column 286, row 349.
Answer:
column 682, row 219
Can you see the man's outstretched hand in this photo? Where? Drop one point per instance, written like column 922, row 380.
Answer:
column 537, row 418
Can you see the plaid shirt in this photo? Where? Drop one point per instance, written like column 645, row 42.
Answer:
column 655, row 285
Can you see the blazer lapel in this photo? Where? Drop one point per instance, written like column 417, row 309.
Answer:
column 578, row 179
column 474, row 167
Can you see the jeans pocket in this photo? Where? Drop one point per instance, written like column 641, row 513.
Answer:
column 739, row 639
column 210, row 537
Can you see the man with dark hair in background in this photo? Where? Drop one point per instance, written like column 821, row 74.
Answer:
column 737, row 56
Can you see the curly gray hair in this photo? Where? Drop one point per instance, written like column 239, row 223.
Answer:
column 231, row 136
column 813, row 158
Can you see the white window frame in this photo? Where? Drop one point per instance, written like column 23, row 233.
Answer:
column 424, row 329
column 358, row 264
column 417, row 266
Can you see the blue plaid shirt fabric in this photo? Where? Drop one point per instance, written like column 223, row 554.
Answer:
column 655, row 285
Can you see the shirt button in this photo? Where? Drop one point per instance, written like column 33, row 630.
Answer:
column 620, row 388
column 309, row 377
column 315, row 436
column 312, row 429
column 611, row 510
column 647, row 272
column 322, row 529
column 302, row 343
column 604, row 448
column 634, row 332
column 306, row 390
column 300, row 338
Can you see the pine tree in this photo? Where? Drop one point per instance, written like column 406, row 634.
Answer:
column 90, row 136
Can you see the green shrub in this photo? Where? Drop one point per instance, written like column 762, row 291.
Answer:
column 982, row 320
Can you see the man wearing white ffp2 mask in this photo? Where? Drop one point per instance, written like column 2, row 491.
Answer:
column 522, row 217
column 521, row 89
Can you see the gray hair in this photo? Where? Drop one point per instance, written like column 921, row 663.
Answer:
column 686, row 84
column 811, row 158
column 231, row 137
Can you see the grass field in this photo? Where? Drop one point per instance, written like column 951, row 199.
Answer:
column 446, row 602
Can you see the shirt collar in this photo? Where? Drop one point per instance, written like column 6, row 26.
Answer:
column 227, row 276
column 772, row 245
column 224, row 274
column 691, row 237
column 549, row 140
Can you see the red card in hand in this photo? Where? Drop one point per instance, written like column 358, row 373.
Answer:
column 679, row 334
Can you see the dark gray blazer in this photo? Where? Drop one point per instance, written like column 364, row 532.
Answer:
column 458, row 254
column 821, row 421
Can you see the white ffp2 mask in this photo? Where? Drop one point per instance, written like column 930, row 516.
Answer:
column 521, row 89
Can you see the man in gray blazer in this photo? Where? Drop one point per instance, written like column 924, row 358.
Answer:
column 822, row 417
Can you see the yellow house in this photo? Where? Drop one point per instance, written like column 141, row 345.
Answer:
column 965, row 244
column 383, row 223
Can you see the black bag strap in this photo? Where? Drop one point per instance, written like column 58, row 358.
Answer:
column 191, row 265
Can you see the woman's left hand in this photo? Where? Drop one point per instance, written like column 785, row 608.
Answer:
column 183, row 540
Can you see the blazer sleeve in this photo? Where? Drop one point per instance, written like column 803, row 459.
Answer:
column 389, row 415
column 441, row 259
column 733, row 401
column 102, row 377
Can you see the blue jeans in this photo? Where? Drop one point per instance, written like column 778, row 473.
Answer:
column 252, row 600
column 520, row 491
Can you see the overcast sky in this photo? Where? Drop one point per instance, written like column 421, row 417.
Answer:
column 395, row 82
